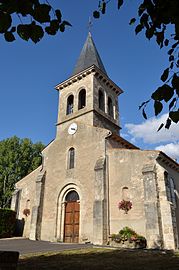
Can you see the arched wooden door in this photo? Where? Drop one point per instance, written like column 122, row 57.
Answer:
column 72, row 217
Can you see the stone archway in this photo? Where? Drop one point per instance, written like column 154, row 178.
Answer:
column 61, row 210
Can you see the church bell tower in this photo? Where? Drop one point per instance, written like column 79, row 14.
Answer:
column 89, row 95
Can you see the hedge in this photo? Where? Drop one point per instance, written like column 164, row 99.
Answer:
column 7, row 222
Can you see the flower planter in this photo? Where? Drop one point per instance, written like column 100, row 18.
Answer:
column 127, row 238
column 128, row 244
column 125, row 244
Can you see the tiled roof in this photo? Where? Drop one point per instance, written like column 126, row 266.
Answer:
column 89, row 56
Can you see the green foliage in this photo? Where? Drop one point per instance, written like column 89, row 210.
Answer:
column 7, row 222
column 18, row 157
column 127, row 234
column 41, row 20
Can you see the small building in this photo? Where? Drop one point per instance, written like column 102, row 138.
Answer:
column 89, row 168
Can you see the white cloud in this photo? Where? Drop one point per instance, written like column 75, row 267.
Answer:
column 147, row 131
column 171, row 149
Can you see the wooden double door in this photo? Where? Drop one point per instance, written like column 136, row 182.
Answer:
column 71, row 224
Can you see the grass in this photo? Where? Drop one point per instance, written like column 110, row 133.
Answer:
column 99, row 259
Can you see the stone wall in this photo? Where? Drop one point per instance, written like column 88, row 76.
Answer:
column 125, row 170
column 90, row 114
column 27, row 186
column 169, row 214
column 89, row 145
column 152, row 215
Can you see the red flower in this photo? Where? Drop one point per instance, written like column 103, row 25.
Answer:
column 125, row 205
column 26, row 212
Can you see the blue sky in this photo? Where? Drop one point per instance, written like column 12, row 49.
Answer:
column 29, row 72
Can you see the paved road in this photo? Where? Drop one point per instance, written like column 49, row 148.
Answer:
column 25, row 246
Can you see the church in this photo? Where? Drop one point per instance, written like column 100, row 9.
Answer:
column 89, row 170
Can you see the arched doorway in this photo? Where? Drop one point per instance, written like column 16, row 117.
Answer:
column 72, row 216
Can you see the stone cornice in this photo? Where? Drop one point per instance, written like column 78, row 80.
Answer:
column 98, row 73
column 168, row 161
column 86, row 112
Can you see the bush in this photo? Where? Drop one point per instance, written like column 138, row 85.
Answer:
column 7, row 222
column 127, row 234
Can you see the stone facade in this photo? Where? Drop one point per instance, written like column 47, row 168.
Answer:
column 103, row 170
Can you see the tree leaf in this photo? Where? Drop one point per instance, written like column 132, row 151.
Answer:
column 165, row 75
column 171, row 65
column 9, row 37
column 96, row 14
column 119, row 3
column 24, row 7
column 62, row 27
column 36, row 32
column 171, row 58
column 166, row 42
column 149, row 33
column 168, row 123
column 161, row 126
column 41, row 13
column 164, row 92
column 144, row 114
column 8, row 6
column 175, row 44
column 174, row 116
column 172, row 103
column 138, row 28
column 170, row 51
column 23, row 31
column 144, row 20
column 141, row 9
column 160, row 38
column 168, row 92
column 53, row 28
column 5, row 21
column 132, row 21
column 158, row 94
column 158, row 107
column 58, row 15
column 175, row 83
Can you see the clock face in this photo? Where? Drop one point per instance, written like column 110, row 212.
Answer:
column 72, row 129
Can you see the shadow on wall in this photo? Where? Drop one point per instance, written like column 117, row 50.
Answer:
column 19, row 227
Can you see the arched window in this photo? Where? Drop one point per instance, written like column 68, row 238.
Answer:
column 125, row 193
column 82, row 99
column 110, row 107
column 72, row 196
column 167, row 184
column 101, row 100
column 70, row 104
column 71, row 158
column 170, row 188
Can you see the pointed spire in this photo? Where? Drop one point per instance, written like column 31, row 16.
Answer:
column 89, row 56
